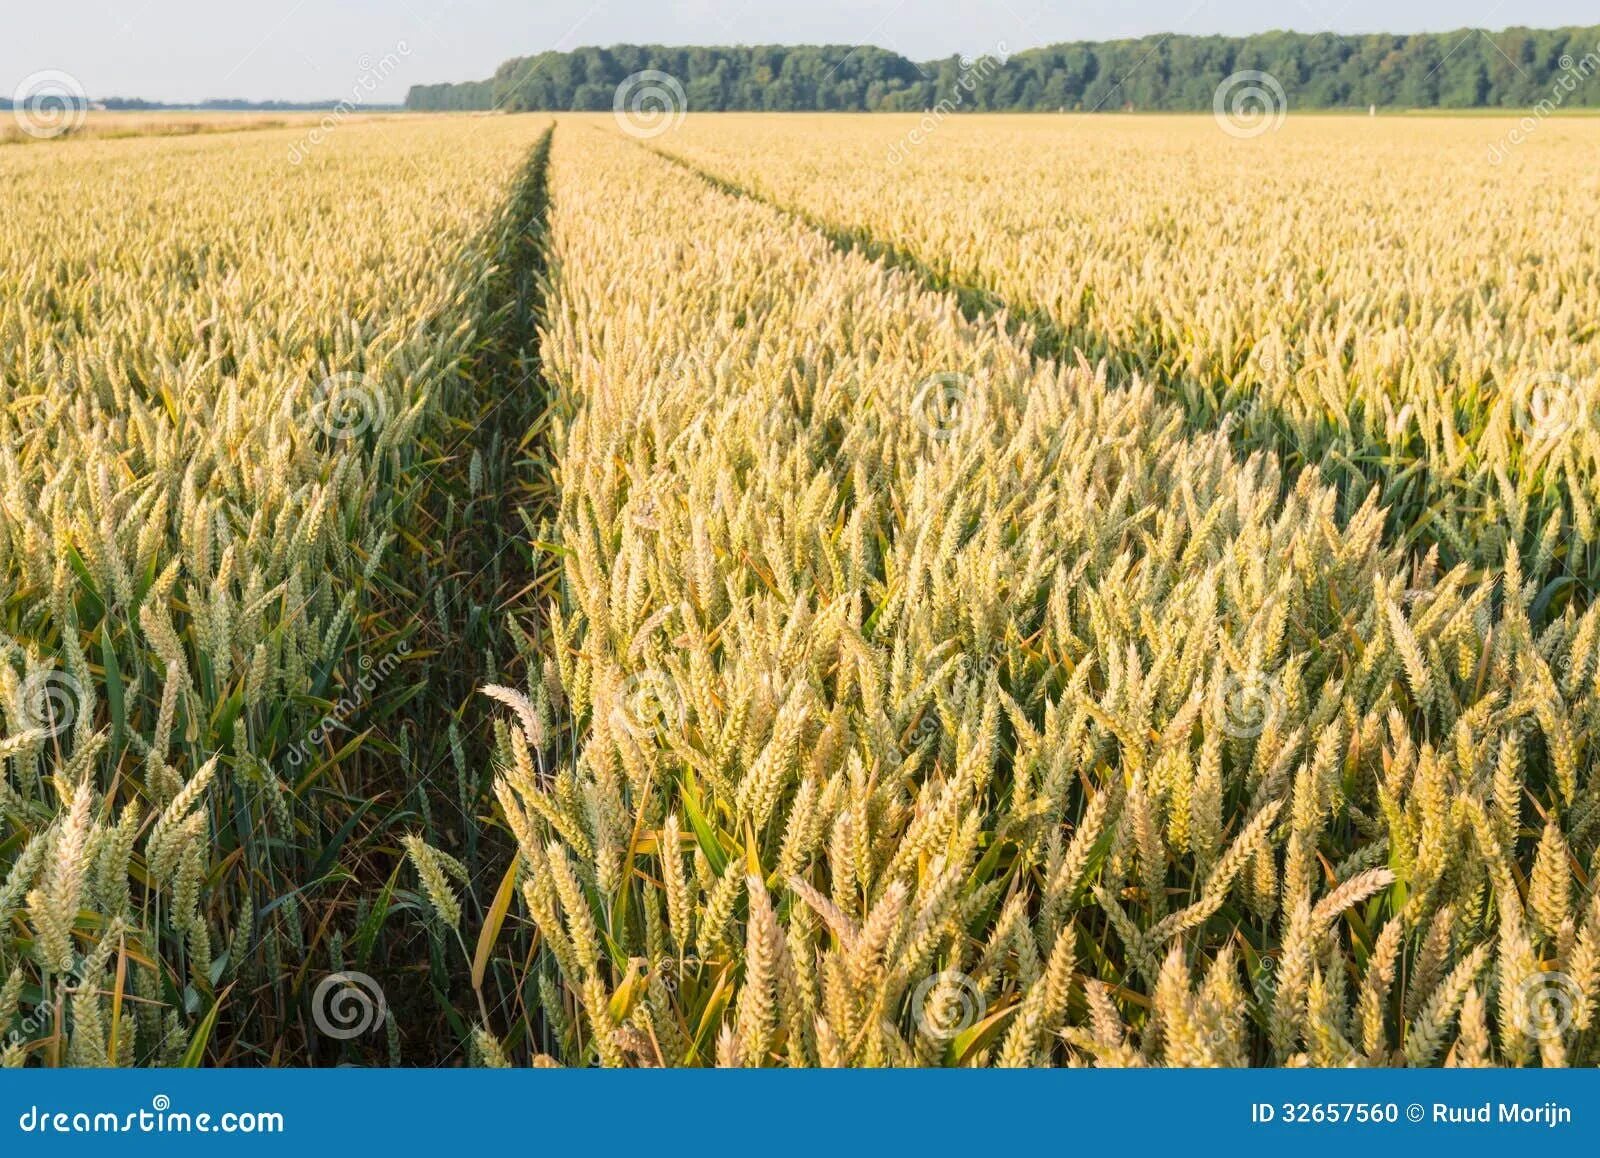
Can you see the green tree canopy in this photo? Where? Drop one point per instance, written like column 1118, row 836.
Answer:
column 1465, row 69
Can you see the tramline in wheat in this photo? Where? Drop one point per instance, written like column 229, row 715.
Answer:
column 734, row 599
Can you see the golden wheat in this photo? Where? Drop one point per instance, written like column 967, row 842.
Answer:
column 1084, row 594
column 936, row 703
column 214, row 365
column 1374, row 297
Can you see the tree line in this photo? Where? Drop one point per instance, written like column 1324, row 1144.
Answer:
column 1468, row 69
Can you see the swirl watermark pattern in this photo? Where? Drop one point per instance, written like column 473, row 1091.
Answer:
column 650, row 704
column 1547, row 405
column 49, row 701
column 1250, row 103
column 672, row 972
column 347, row 1005
column 1545, row 1005
column 941, row 403
column 649, row 103
column 1247, row 702
column 49, row 104
column 347, row 405
column 947, row 1004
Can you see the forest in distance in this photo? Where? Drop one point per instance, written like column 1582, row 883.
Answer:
column 1465, row 69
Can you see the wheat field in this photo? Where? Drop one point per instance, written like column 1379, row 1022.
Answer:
column 99, row 124
column 802, row 591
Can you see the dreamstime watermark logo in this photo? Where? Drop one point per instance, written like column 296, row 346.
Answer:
column 1545, row 1005
column 1547, row 405
column 42, row 1016
column 48, row 702
column 1267, row 979
column 1573, row 73
column 373, row 74
column 973, row 72
column 1243, row 416
column 1250, row 103
column 1226, row 1035
column 347, row 1005
column 649, row 103
column 1273, row 362
column 347, row 405
column 159, row 1118
column 650, row 704
column 372, row 674
column 947, row 1004
column 941, row 403
column 49, row 104
column 1247, row 702
column 672, row 971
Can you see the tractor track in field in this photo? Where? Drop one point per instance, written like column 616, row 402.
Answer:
column 467, row 564
column 1250, row 423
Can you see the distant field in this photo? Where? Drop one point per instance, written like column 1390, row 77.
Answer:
column 103, row 124
column 110, row 125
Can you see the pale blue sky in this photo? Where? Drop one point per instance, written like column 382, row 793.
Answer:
column 188, row 50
